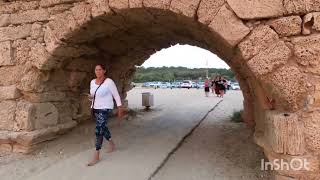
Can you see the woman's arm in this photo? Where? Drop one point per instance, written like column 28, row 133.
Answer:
column 116, row 96
column 115, row 93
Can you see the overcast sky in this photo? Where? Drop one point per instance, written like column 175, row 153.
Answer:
column 185, row 56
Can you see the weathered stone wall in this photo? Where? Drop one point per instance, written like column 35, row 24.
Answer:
column 48, row 49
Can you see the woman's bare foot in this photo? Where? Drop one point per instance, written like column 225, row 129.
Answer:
column 95, row 160
column 111, row 146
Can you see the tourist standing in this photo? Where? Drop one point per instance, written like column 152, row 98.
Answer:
column 216, row 86
column 221, row 86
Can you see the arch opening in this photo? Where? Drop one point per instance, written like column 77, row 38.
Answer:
column 135, row 35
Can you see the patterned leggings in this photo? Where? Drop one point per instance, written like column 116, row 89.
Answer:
column 101, row 117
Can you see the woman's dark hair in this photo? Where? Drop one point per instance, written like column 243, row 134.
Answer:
column 102, row 66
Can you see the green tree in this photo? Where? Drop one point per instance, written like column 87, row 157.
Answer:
column 177, row 73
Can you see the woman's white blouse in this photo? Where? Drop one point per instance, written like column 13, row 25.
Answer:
column 105, row 94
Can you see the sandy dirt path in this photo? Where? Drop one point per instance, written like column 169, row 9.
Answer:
column 144, row 142
column 218, row 149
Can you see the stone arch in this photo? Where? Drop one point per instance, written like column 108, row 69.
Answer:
column 51, row 46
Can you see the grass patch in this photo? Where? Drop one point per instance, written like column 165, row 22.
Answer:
column 236, row 117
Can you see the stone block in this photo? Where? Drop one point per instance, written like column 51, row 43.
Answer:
column 312, row 125
column 118, row 4
column 14, row 33
column 9, row 8
column 81, row 13
column 4, row 20
column 284, row 132
column 289, row 84
column 29, row 16
column 65, row 110
column 59, row 28
column 160, row 4
column 287, row 26
column 5, row 148
column 37, row 31
column 228, row 26
column 135, row 3
column 24, row 116
column 301, row 6
column 33, row 81
column 48, row 3
column 259, row 40
column 270, row 59
column 208, row 9
column 48, row 96
column 16, row 73
column 7, row 114
column 46, row 115
column 307, row 50
column 9, row 92
column 28, row 139
column 185, row 7
column 18, row 148
column 6, row 54
column 257, row 9
column 40, row 58
column 99, row 7
column 311, row 23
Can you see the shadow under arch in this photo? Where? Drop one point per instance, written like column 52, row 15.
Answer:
column 125, row 38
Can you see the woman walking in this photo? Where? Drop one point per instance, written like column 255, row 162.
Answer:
column 221, row 84
column 215, row 88
column 102, row 92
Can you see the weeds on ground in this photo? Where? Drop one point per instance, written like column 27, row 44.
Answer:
column 236, row 117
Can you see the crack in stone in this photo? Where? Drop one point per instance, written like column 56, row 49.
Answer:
column 196, row 11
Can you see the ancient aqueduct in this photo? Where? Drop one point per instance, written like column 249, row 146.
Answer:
column 48, row 49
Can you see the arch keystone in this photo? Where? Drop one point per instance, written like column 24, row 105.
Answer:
column 118, row 4
column 159, row 4
column 135, row 3
column 229, row 26
column 185, row 7
column 208, row 9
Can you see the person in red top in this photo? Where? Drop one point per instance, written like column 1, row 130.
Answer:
column 206, row 87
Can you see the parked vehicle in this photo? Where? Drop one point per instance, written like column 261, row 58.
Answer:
column 235, row 86
column 165, row 85
column 155, row 85
column 146, row 84
column 186, row 84
column 176, row 84
column 194, row 85
column 200, row 85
